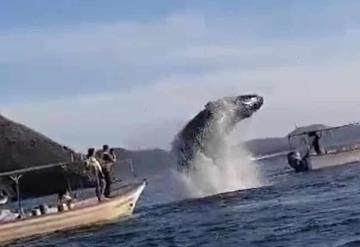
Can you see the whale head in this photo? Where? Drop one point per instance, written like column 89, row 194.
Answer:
column 248, row 104
column 243, row 105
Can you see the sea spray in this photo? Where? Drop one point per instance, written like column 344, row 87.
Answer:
column 233, row 171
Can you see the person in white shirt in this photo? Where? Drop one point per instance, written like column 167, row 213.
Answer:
column 95, row 168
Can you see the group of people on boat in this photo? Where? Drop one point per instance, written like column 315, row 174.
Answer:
column 100, row 164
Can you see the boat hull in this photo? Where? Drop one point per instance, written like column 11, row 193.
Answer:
column 329, row 159
column 333, row 159
column 84, row 214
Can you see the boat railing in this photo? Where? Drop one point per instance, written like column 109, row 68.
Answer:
column 131, row 165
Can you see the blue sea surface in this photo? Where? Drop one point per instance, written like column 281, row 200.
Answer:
column 318, row 208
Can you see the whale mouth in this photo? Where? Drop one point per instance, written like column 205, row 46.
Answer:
column 251, row 102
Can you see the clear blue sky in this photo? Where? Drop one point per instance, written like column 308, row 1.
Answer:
column 124, row 52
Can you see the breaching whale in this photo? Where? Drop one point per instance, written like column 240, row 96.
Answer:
column 209, row 127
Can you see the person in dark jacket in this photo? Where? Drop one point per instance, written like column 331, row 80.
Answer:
column 107, row 161
column 315, row 142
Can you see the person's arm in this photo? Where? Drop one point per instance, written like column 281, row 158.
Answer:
column 98, row 167
column 111, row 158
column 87, row 163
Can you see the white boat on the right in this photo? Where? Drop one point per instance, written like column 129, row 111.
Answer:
column 312, row 152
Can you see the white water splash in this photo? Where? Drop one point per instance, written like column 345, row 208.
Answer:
column 232, row 169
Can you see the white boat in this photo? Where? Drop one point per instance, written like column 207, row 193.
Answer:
column 83, row 213
column 317, row 156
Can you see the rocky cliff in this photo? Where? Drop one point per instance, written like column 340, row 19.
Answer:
column 22, row 147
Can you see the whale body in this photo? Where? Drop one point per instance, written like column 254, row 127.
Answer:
column 202, row 134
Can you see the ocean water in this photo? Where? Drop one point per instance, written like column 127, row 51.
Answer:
column 319, row 208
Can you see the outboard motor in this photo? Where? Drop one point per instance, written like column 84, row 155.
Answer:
column 296, row 162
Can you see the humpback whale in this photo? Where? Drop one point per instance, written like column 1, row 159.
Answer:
column 204, row 133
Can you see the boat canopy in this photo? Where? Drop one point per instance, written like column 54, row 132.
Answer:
column 321, row 139
column 322, row 130
column 36, row 168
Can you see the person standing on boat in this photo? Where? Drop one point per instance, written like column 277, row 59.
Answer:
column 108, row 160
column 112, row 152
column 93, row 164
column 315, row 142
